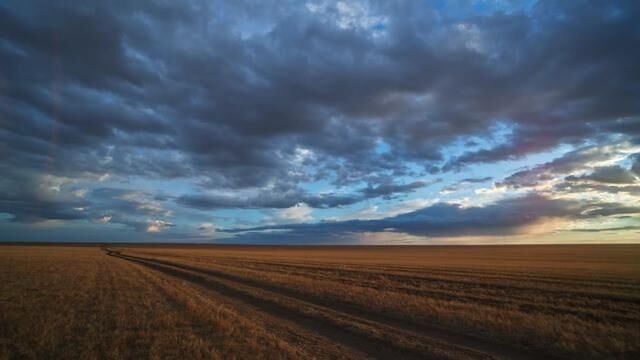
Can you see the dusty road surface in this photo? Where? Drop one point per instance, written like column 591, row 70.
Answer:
column 510, row 302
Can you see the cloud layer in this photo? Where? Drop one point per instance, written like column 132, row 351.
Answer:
column 160, row 115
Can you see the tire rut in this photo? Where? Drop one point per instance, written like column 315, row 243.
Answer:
column 311, row 344
column 522, row 302
column 412, row 341
column 373, row 339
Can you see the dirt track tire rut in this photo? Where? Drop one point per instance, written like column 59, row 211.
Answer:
column 371, row 335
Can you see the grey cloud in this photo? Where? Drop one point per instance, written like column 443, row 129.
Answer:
column 608, row 209
column 619, row 228
column 575, row 160
column 25, row 200
column 460, row 184
column 613, row 174
column 477, row 180
column 32, row 201
column 29, row 210
column 583, row 187
column 443, row 219
column 635, row 167
column 284, row 197
column 386, row 190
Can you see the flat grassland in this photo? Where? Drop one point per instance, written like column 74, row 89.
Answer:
column 224, row 302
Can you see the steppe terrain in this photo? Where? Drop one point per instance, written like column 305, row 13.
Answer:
column 225, row 302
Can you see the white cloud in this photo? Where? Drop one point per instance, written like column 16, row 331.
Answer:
column 145, row 202
column 103, row 219
column 470, row 37
column 298, row 213
column 81, row 193
column 157, row 226
column 51, row 185
column 349, row 15
column 207, row 229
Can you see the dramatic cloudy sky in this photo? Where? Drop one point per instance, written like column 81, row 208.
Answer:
column 437, row 121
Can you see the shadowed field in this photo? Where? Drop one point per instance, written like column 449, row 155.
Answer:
column 517, row 302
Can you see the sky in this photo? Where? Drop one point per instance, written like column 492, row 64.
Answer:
column 320, row 122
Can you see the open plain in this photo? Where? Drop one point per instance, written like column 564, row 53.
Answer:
column 475, row 302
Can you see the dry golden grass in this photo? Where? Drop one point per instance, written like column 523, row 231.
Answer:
column 525, row 302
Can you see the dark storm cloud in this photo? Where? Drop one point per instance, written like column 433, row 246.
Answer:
column 443, row 219
column 229, row 94
column 124, row 72
column 29, row 201
column 504, row 217
column 29, row 209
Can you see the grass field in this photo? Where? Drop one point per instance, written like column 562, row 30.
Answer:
column 516, row 302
